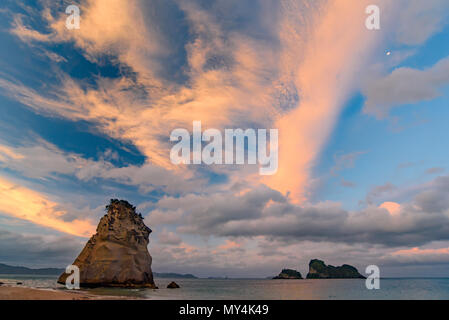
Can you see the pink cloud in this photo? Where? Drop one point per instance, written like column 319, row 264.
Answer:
column 229, row 245
column 392, row 207
column 27, row 204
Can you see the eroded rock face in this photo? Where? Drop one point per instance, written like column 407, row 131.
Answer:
column 117, row 254
column 319, row 270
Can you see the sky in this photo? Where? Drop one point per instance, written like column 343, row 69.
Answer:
column 86, row 116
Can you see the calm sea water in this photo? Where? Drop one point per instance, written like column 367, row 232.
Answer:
column 204, row 289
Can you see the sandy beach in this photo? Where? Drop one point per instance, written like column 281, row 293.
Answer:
column 24, row 293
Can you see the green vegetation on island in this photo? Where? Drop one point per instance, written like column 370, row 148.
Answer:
column 288, row 274
column 319, row 270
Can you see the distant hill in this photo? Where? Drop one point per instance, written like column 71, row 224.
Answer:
column 5, row 269
column 174, row 275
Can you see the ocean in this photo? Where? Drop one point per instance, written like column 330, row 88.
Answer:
column 264, row 289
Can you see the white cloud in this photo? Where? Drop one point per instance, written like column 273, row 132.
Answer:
column 405, row 86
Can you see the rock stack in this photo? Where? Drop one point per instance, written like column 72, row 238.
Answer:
column 288, row 274
column 319, row 270
column 117, row 255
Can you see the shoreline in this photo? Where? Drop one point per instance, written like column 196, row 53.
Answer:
column 8, row 292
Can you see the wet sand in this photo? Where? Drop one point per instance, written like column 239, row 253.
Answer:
column 24, row 293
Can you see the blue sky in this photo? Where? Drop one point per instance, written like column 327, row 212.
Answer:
column 86, row 117
column 399, row 148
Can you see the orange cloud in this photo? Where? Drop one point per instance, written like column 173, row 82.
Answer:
column 320, row 54
column 417, row 252
column 213, row 96
column 333, row 56
column 229, row 245
column 10, row 153
column 26, row 204
column 392, row 207
column 107, row 27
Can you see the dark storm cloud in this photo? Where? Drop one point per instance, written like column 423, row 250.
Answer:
column 264, row 212
column 38, row 251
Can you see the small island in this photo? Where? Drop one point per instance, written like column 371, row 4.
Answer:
column 319, row 270
column 288, row 274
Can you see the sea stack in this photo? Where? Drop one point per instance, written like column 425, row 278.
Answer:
column 117, row 255
column 319, row 270
column 288, row 274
